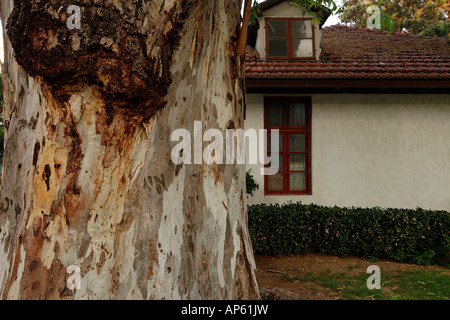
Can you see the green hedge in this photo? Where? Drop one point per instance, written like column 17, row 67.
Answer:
column 412, row 236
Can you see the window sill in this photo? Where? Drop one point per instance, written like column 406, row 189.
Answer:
column 287, row 194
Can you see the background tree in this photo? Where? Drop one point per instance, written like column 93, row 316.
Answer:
column 421, row 17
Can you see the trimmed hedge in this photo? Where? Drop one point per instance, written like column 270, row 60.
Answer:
column 411, row 236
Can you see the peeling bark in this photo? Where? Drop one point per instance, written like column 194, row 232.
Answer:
column 87, row 175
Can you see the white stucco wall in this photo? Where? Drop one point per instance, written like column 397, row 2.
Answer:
column 284, row 10
column 372, row 150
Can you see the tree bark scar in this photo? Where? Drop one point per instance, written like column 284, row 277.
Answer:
column 127, row 56
column 46, row 176
column 37, row 148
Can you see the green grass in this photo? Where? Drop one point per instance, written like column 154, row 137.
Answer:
column 400, row 285
column 422, row 285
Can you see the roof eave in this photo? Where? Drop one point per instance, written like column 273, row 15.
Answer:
column 419, row 83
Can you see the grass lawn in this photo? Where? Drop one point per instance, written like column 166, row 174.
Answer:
column 402, row 285
column 321, row 277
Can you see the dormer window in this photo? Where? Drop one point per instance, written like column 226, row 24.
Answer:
column 289, row 38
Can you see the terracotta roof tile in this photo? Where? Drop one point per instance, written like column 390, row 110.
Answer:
column 362, row 53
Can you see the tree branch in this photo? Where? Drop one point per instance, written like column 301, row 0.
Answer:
column 242, row 40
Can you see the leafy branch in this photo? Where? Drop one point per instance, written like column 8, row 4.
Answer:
column 307, row 6
column 318, row 9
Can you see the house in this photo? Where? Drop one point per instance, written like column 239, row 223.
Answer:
column 364, row 117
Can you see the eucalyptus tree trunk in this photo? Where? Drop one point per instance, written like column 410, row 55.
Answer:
column 88, row 179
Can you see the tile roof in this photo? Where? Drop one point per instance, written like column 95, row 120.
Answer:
column 362, row 53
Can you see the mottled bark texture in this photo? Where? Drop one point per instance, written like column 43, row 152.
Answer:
column 124, row 47
column 87, row 173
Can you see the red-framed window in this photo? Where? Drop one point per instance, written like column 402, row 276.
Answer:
column 292, row 117
column 289, row 39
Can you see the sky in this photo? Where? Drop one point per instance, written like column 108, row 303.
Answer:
column 331, row 21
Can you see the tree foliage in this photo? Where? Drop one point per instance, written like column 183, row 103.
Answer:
column 251, row 184
column 421, row 17
column 311, row 7
column 1, row 93
column 1, row 118
column 412, row 236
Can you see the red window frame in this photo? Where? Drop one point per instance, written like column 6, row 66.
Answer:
column 290, row 40
column 286, row 130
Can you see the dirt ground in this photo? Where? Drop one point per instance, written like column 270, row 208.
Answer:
column 270, row 272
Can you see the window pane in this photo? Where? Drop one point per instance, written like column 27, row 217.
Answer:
column 278, row 48
column 297, row 162
column 302, row 28
column 277, row 28
column 276, row 182
column 275, row 115
column 297, row 182
column 302, row 48
column 280, row 162
column 280, row 143
column 297, row 114
column 297, row 142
